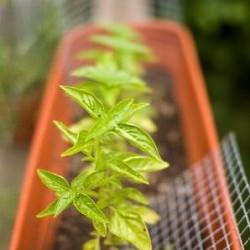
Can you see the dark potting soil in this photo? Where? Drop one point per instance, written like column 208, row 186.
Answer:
column 73, row 229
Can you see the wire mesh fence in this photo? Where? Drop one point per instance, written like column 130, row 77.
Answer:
column 192, row 212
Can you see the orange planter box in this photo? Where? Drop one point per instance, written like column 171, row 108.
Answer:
column 173, row 46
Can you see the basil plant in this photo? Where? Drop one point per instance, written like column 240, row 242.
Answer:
column 116, row 148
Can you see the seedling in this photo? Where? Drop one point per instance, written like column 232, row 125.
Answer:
column 118, row 213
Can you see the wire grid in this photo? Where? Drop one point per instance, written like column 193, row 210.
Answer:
column 192, row 216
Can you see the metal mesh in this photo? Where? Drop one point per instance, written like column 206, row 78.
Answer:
column 192, row 214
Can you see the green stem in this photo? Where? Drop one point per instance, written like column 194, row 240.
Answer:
column 97, row 149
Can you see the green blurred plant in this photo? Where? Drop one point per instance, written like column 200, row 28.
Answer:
column 23, row 67
column 119, row 214
column 126, row 48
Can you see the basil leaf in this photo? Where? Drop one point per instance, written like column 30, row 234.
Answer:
column 79, row 145
column 145, row 164
column 78, row 181
column 86, row 206
column 53, row 181
column 101, row 228
column 148, row 215
column 123, row 169
column 109, row 76
column 49, row 210
column 94, row 179
column 120, row 111
column 93, row 244
column 139, row 138
column 133, row 194
column 132, row 229
column 86, row 100
column 63, row 202
column 121, row 44
column 67, row 133
column 110, row 120
column 121, row 30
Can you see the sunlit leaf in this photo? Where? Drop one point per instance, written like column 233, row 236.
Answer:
column 133, row 194
column 131, row 228
column 67, row 132
column 86, row 206
column 53, row 181
column 121, row 30
column 109, row 76
column 139, row 138
column 145, row 163
column 121, row 44
column 101, row 228
column 148, row 215
column 94, row 179
column 49, row 210
column 78, row 181
column 64, row 201
column 79, row 146
column 93, row 244
column 114, row 116
column 86, row 100
column 123, row 169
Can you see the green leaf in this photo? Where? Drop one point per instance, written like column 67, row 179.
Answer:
column 82, row 125
column 108, row 122
column 132, row 194
column 53, row 181
column 121, row 31
column 57, row 206
column 78, row 181
column 86, row 100
column 121, row 44
column 79, row 146
column 94, row 179
column 145, row 164
column 139, row 106
column 49, row 210
column 131, row 228
column 86, row 206
column 139, row 138
column 101, row 228
column 67, row 133
column 148, row 215
column 135, row 107
column 120, row 111
column 93, row 244
column 63, row 202
column 123, row 169
column 109, row 76
column 94, row 54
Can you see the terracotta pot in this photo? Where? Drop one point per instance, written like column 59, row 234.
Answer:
column 174, row 47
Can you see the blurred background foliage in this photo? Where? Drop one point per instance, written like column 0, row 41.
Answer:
column 221, row 30
column 29, row 35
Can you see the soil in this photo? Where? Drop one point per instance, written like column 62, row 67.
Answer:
column 73, row 229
